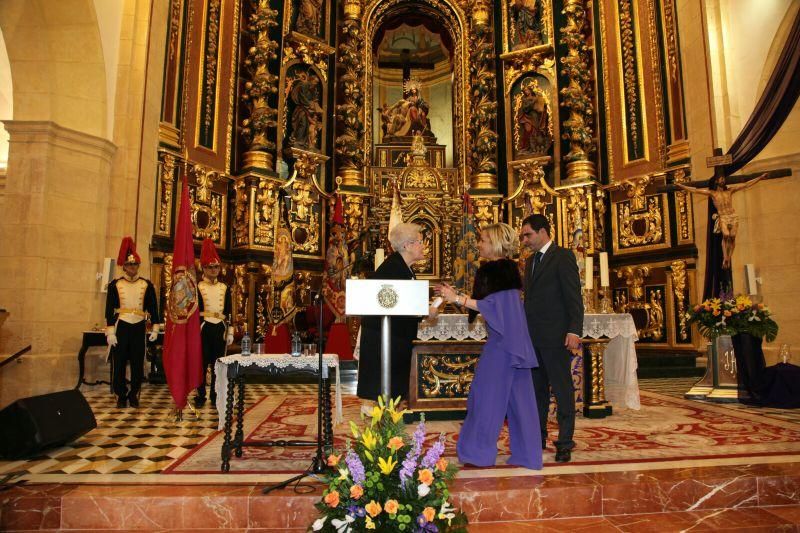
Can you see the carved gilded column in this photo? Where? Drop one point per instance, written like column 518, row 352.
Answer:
column 483, row 106
column 349, row 143
column 261, row 84
column 576, row 96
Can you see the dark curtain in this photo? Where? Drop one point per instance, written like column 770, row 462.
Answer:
column 773, row 107
column 777, row 100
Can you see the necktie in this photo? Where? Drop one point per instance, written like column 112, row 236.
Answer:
column 537, row 258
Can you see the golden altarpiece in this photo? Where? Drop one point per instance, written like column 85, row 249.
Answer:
column 569, row 108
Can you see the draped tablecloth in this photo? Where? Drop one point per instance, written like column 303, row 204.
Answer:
column 279, row 362
column 448, row 327
column 619, row 359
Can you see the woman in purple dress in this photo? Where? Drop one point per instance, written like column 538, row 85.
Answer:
column 502, row 387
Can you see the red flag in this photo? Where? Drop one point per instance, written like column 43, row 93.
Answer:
column 183, row 357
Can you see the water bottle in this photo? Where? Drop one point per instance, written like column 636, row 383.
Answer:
column 297, row 345
column 246, row 343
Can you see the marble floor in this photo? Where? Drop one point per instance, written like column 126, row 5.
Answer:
column 112, row 480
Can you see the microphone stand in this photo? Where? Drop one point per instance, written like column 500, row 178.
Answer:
column 318, row 462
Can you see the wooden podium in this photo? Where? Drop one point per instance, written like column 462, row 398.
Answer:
column 386, row 298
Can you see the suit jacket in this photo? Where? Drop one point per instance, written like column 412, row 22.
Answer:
column 553, row 303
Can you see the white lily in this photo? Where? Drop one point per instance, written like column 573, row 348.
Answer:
column 423, row 490
column 318, row 523
column 343, row 473
column 343, row 526
column 447, row 511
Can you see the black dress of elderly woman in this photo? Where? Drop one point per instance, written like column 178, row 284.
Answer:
column 404, row 331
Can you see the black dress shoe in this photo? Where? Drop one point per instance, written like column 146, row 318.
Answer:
column 199, row 401
column 563, row 456
column 133, row 400
column 122, row 402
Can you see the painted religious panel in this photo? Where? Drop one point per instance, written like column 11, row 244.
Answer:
column 304, row 112
column 308, row 17
column 531, row 117
column 526, row 24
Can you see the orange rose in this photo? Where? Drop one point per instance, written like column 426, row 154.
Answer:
column 395, row 443
column 727, row 313
column 373, row 508
column 356, row 492
column 441, row 464
column 333, row 460
column 697, row 307
column 332, row 499
column 391, row 506
column 716, row 313
column 429, row 514
column 425, row 476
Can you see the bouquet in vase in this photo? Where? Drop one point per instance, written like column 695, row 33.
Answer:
column 729, row 315
column 386, row 481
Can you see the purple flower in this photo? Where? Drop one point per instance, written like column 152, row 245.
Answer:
column 356, row 467
column 410, row 462
column 425, row 526
column 356, row 511
column 434, row 452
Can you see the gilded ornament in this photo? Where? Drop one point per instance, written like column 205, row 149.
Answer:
column 167, row 181
column 446, row 375
column 678, row 272
column 260, row 85
column 651, row 219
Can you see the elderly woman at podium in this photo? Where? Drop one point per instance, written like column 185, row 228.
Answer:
column 407, row 243
column 502, row 387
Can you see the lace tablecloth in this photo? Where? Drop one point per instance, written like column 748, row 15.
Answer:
column 449, row 327
column 281, row 361
column 619, row 360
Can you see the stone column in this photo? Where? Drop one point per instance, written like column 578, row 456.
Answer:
column 53, row 234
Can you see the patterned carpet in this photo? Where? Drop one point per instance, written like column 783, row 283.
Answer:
column 134, row 444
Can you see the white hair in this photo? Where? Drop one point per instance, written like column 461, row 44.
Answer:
column 403, row 233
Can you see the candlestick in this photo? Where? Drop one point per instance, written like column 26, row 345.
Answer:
column 589, row 273
column 378, row 257
column 604, row 269
column 588, row 301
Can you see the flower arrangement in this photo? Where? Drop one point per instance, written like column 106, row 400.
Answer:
column 728, row 315
column 384, row 482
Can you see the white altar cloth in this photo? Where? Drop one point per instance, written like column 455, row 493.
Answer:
column 619, row 359
column 279, row 361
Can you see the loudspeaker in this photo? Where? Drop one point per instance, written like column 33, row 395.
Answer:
column 33, row 424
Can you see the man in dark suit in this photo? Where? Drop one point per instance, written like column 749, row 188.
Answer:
column 554, row 310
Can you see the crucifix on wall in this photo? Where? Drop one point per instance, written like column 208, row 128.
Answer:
column 406, row 63
column 720, row 189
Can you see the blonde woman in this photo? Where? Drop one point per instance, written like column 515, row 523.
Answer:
column 502, row 386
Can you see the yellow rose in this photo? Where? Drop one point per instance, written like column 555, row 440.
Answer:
column 425, row 476
column 332, row 499
column 429, row 514
column 391, row 506
column 373, row 508
column 356, row 492
column 441, row 464
column 370, row 523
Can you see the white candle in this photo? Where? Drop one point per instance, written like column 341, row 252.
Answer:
column 589, row 273
column 604, row 269
column 378, row 257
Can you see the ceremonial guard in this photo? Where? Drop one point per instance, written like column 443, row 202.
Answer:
column 131, row 301
column 216, row 330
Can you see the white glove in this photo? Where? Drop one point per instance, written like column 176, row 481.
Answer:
column 229, row 339
column 154, row 334
column 111, row 339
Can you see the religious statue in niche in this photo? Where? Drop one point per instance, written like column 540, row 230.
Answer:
column 407, row 116
column 309, row 15
column 532, row 122
column 303, row 90
column 527, row 26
